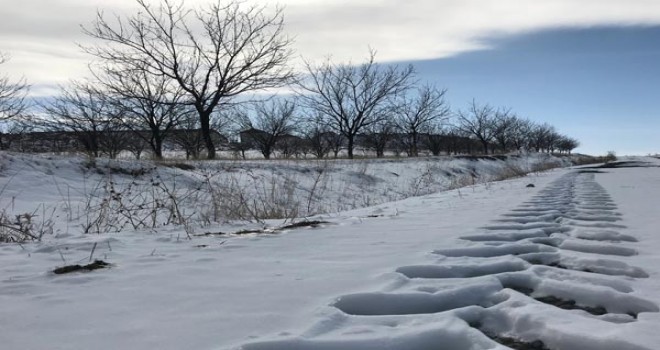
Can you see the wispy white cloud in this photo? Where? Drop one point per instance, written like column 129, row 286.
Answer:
column 42, row 35
column 421, row 29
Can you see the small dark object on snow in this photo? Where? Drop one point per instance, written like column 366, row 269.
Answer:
column 530, row 185
column 97, row 264
column 517, row 343
column 313, row 223
column 247, row 232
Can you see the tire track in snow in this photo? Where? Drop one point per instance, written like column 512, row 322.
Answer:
column 559, row 257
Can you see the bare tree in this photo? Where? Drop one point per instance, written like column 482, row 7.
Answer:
column 213, row 54
column 552, row 140
column 337, row 142
column 189, row 137
column 86, row 113
column 114, row 138
column 567, row 144
column 379, row 135
column 419, row 112
column 433, row 139
column 272, row 120
column 520, row 133
column 479, row 122
column 137, row 146
column 354, row 97
column 152, row 104
column 12, row 94
column 11, row 132
column 540, row 136
column 503, row 128
column 291, row 145
column 319, row 136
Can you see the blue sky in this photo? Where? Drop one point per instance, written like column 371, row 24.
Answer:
column 600, row 85
column 589, row 67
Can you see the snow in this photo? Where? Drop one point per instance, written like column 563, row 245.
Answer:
column 443, row 270
column 300, row 187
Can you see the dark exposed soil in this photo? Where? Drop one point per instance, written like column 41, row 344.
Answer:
column 571, row 305
column 517, row 344
column 520, row 289
column 97, row 264
column 493, row 157
column 624, row 164
column 311, row 223
column 558, row 302
column 239, row 232
column 179, row 165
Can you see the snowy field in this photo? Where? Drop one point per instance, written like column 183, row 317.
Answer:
column 571, row 263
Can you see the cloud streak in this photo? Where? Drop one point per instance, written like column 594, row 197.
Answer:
column 425, row 29
column 41, row 35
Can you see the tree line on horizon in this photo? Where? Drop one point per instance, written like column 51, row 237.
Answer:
column 192, row 77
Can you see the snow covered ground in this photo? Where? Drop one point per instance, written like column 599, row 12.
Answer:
column 572, row 263
column 73, row 192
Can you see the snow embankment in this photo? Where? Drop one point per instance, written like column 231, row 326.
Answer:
column 69, row 195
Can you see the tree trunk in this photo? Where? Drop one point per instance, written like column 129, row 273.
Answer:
column 157, row 147
column 349, row 146
column 414, row 152
column 206, row 135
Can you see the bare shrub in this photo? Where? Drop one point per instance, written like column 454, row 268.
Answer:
column 509, row 171
column 610, row 157
column 231, row 199
column 113, row 206
column 462, row 180
column 423, row 183
column 581, row 159
column 252, row 196
column 545, row 166
column 318, row 188
column 18, row 228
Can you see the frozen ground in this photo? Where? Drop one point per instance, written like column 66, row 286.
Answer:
column 571, row 263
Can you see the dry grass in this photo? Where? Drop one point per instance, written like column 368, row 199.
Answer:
column 24, row 227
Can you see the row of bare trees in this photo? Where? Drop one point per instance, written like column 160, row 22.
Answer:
column 421, row 121
column 169, row 69
column 502, row 129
